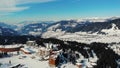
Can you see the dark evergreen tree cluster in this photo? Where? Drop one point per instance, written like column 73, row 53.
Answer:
column 7, row 40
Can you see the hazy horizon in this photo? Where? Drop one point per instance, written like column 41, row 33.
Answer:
column 15, row 11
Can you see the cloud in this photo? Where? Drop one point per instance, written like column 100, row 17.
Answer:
column 10, row 6
column 13, row 9
column 32, row 1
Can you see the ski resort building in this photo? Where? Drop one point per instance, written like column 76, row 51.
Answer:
column 26, row 50
column 52, row 60
column 12, row 49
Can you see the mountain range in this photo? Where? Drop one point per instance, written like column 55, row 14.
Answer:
column 66, row 26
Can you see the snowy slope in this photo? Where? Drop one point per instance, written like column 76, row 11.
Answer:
column 106, row 32
column 112, row 31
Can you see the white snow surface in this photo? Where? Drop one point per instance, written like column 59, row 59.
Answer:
column 83, row 37
column 27, row 62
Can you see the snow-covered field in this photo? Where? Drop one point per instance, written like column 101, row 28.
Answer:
column 27, row 62
column 85, row 37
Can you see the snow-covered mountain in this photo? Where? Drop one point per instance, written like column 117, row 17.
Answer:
column 55, row 29
column 87, row 32
column 90, row 26
column 34, row 29
column 7, row 30
column 73, row 26
column 3, row 25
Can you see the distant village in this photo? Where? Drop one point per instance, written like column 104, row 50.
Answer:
column 58, row 52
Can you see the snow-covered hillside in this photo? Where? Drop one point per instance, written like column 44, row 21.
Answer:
column 112, row 31
column 7, row 32
column 111, row 35
column 106, row 32
column 34, row 29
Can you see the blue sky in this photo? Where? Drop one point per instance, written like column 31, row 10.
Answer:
column 15, row 11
